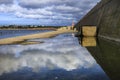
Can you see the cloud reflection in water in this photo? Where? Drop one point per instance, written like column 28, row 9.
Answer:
column 61, row 52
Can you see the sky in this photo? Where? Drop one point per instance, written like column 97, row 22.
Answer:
column 44, row 12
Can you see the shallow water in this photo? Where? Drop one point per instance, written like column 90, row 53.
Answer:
column 13, row 33
column 107, row 54
column 58, row 58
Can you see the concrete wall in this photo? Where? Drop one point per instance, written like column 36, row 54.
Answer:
column 106, row 16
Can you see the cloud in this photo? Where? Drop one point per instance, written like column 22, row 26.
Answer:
column 73, row 7
column 48, row 9
column 38, row 13
column 40, row 3
column 6, row 1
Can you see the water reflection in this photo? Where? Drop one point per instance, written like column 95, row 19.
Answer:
column 60, row 58
column 88, row 41
column 107, row 54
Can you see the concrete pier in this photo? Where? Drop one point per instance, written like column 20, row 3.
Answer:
column 106, row 17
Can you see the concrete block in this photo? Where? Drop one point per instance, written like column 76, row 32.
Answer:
column 89, row 30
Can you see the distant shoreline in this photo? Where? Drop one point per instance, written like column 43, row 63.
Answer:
column 28, row 29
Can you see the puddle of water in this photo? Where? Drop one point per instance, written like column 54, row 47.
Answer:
column 58, row 58
column 13, row 33
column 106, row 53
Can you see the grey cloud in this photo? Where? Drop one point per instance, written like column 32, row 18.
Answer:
column 6, row 1
column 76, row 8
column 49, row 9
column 65, row 3
column 41, row 3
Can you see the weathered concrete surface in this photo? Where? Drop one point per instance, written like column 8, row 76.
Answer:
column 106, row 16
column 89, row 31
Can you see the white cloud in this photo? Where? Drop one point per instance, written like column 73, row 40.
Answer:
column 67, row 8
column 10, row 8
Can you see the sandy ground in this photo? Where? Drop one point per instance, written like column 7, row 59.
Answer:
column 33, row 36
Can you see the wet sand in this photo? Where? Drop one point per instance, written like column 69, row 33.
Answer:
column 18, row 39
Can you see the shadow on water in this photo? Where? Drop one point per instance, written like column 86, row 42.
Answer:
column 107, row 55
column 58, row 58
